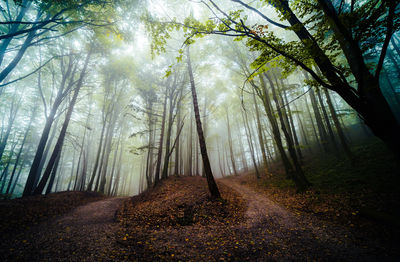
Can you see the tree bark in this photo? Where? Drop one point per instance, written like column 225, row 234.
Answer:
column 60, row 141
column 35, row 171
column 212, row 186
column 298, row 177
column 160, row 146
column 230, row 144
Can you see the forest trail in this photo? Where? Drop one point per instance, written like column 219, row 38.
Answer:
column 87, row 233
column 259, row 207
column 295, row 235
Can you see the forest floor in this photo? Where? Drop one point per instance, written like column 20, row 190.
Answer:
column 34, row 229
column 177, row 221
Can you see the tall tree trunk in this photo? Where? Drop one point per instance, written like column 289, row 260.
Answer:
column 338, row 126
column 298, row 177
column 274, row 126
column 49, row 144
column 250, row 142
column 230, row 144
column 242, row 153
column 177, row 149
column 13, row 113
column 168, row 138
column 53, row 175
column 320, row 125
column 21, row 150
column 212, row 186
column 327, row 121
column 190, row 146
column 220, row 164
column 24, row 7
column 4, row 174
column 289, row 116
column 91, row 181
column 368, row 100
column 260, row 134
column 303, row 132
column 106, row 157
column 72, row 172
column 35, row 170
column 160, row 146
column 21, row 167
column 60, row 141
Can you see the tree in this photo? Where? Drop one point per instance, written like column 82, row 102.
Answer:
column 68, row 70
column 53, row 162
column 347, row 36
column 33, row 22
column 212, row 186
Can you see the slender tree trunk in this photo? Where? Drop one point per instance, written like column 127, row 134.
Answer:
column 160, row 149
column 275, row 127
column 168, row 138
column 303, row 132
column 338, row 126
column 298, row 177
column 53, row 175
column 106, row 157
column 260, row 134
column 60, row 141
column 243, row 153
column 289, row 115
column 190, row 145
column 23, row 162
column 178, row 123
column 212, row 186
column 220, row 164
column 5, row 170
column 327, row 121
column 49, row 144
column 321, row 129
column 230, row 144
column 21, row 150
column 13, row 113
column 250, row 143
column 35, row 171
column 90, row 185
column 72, row 172
column 24, row 7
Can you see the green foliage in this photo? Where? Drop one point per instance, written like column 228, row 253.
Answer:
column 367, row 22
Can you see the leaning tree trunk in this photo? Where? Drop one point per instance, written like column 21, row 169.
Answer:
column 298, row 177
column 60, row 141
column 260, row 134
column 368, row 100
column 275, row 127
column 212, row 186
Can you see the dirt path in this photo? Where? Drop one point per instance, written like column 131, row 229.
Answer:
column 260, row 207
column 296, row 236
column 85, row 234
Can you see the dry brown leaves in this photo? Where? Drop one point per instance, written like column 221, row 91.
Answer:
column 20, row 213
column 178, row 220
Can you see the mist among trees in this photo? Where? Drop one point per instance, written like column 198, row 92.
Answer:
column 116, row 97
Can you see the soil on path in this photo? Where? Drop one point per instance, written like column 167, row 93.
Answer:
column 85, row 234
column 295, row 236
column 178, row 221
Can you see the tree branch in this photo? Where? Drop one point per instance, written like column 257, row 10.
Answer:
column 260, row 14
column 389, row 33
column 31, row 73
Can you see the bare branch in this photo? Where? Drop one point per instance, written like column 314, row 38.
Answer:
column 260, row 14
